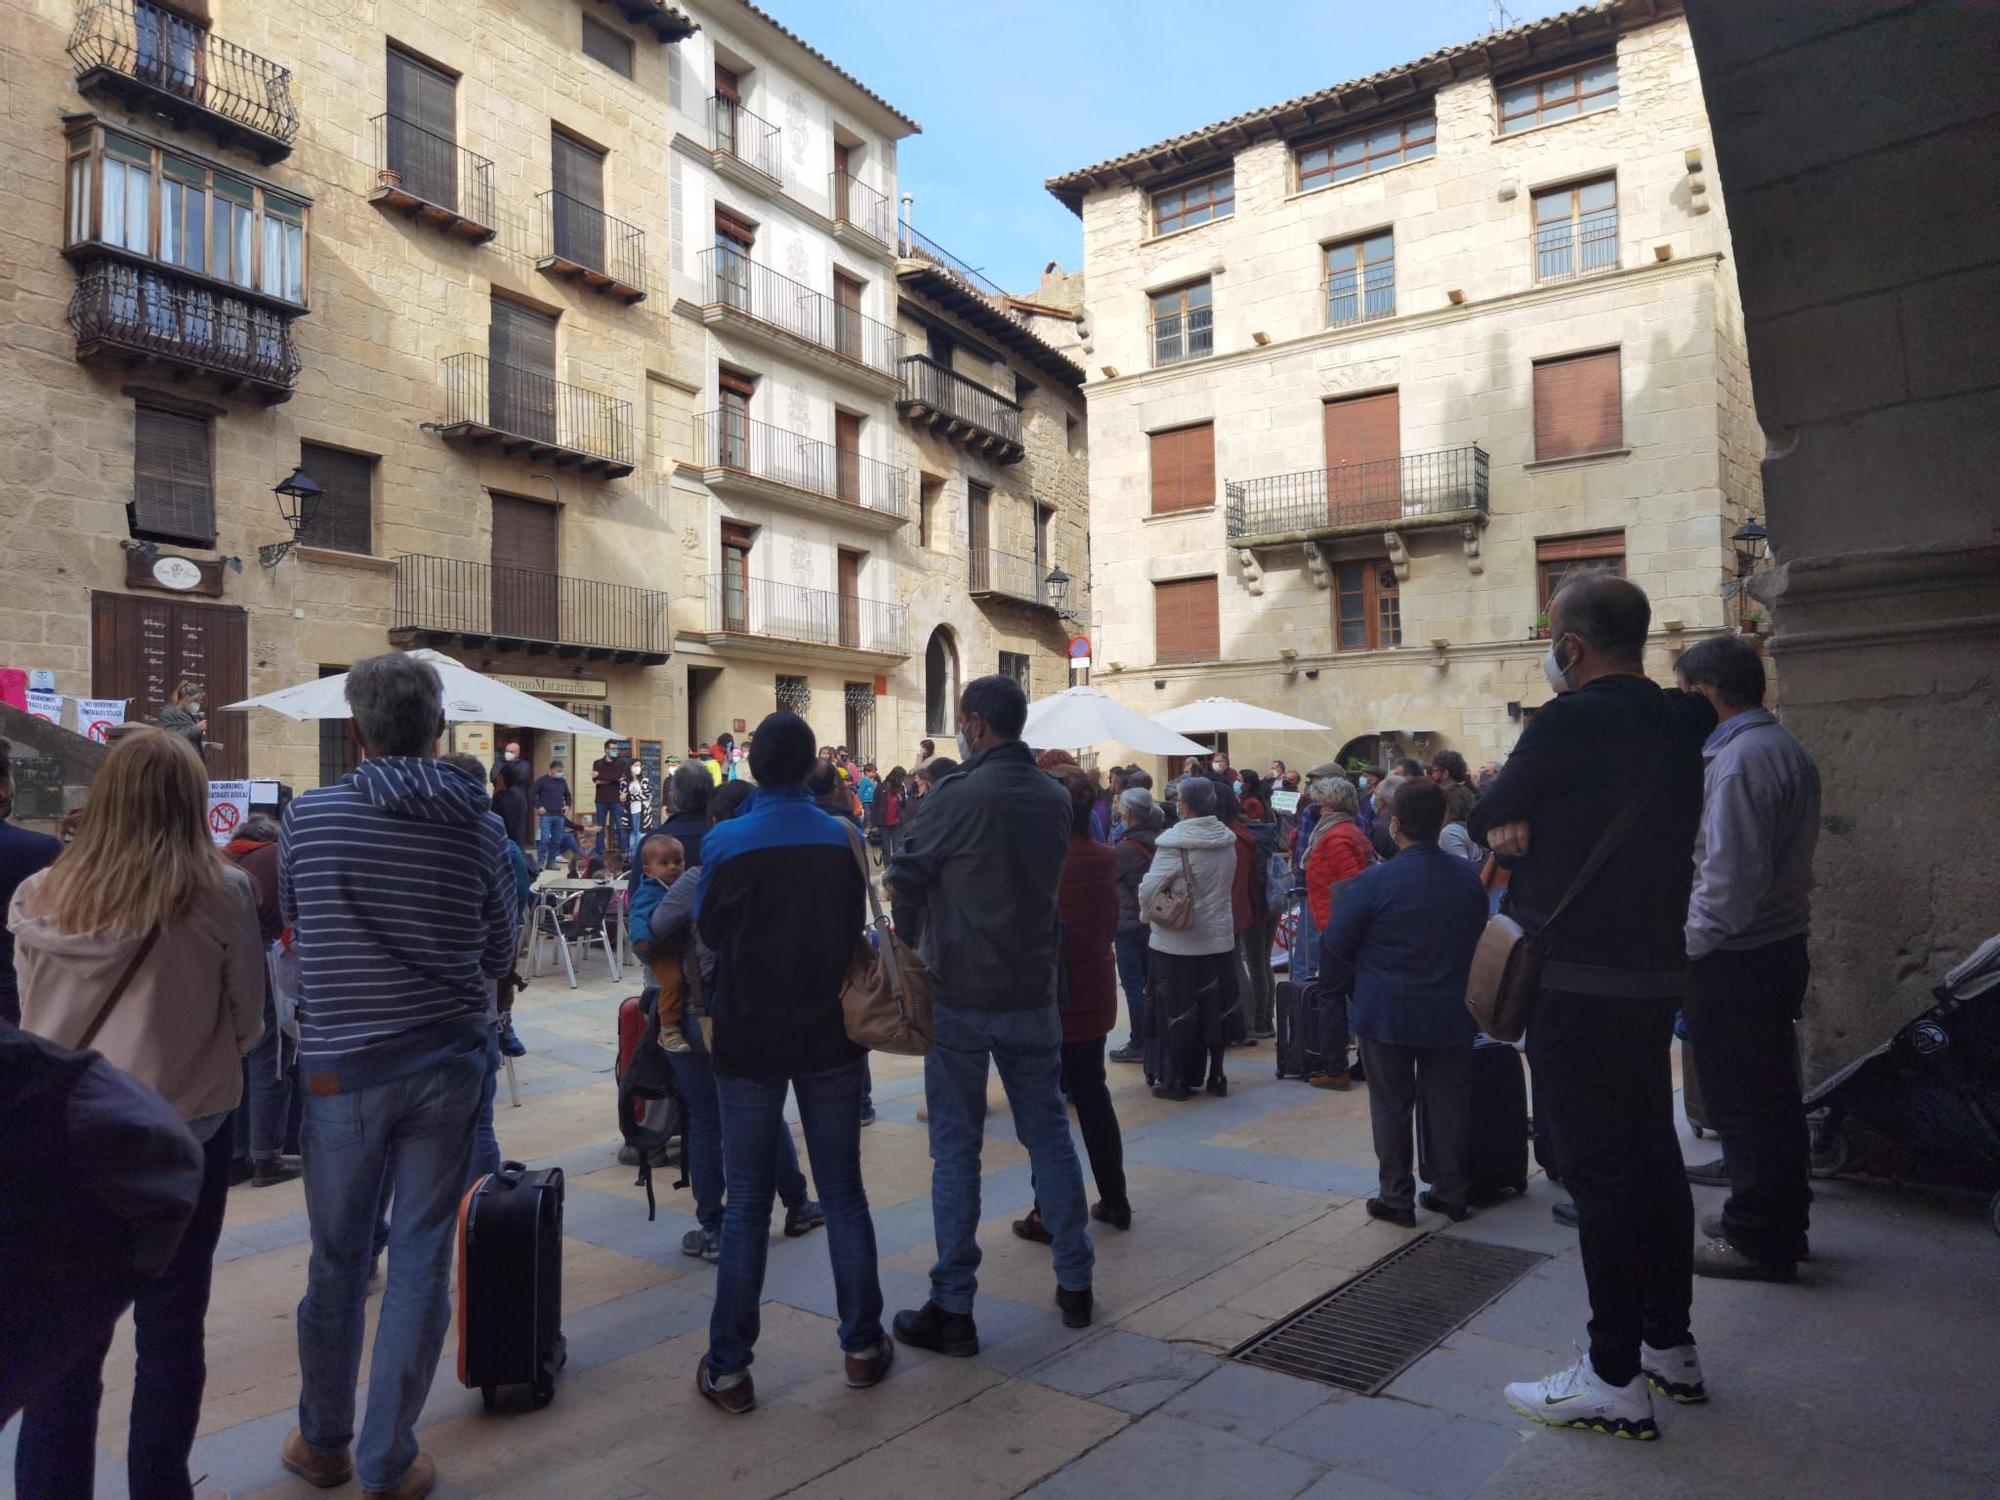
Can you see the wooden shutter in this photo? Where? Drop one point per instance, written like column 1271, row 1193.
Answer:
column 729, row 227
column 1364, row 450
column 847, row 454
column 173, row 483
column 847, row 584
column 578, row 169
column 727, row 84
column 1187, row 622
column 522, row 346
column 344, row 520
column 523, row 338
column 847, row 316
column 1183, row 465
column 1578, row 406
column 609, row 47
column 524, row 565
column 423, row 128
column 577, row 172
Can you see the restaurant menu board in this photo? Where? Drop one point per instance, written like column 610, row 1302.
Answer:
column 651, row 754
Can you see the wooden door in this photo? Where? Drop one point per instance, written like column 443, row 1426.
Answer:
column 421, row 132
column 140, row 648
column 521, row 344
column 1364, row 448
column 840, row 205
column 734, row 240
column 847, row 315
column 735, row 579
column 847, row 456
column 849, row 588
column 732, row 438
column 728, row 97
column 978, row 502
column 578, row 222
column 526, row 604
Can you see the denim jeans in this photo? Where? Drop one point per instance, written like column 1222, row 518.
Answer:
column 702, row 1140
column 1130, row 948
column 1026, row 1047
column 419, row 1129
column 485, row 1142
column 58, row 1451
column 553, row 832
column 270, row 1094
column 753, row 1115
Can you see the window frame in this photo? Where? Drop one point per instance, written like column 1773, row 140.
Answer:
column 309, row 459
column 630, row 52
column 1020, row 666
column 1379, row 606
column 1576, row 240
column 1163, row 592
column 1537, row 117
column 1364, row 294
column 134, row 519
column 1213, row 206
column 1577, row 554
column 1330, row 173
column 1617, row 445
column 1184, row 317
column 1191, row 500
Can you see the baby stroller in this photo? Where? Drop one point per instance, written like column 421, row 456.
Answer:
column 1933, row 1088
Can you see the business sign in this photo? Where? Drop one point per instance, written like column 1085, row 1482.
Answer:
column 228, row 806
column 557, row 687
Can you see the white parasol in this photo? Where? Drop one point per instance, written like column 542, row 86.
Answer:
column 1219, row 715
column 469, row 698
column 1083, row 716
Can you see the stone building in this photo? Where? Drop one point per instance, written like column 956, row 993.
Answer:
column 1374, row 370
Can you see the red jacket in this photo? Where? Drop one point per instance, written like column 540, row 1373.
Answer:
column 1243, row 901
column 1342, row 851
column 1087, row 902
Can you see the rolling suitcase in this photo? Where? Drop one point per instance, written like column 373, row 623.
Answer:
column 510, row 1282
column 1498, row 1149
column 1298, row 1048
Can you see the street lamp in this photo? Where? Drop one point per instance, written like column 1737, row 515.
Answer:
column 1057, row 583
column 1751, row 541
column 298, row 499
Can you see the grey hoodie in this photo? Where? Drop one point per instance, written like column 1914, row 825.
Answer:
column 1753, row 854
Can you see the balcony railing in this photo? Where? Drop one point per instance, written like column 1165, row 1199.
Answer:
column 133, row 311
column 913, row 246
column 1446, row 485
column 431, row 176
column 1568, row 250
column 580, row 239
column 730, row 440
column 814, row 617
column 1184, row 336
column 751, row 139
column 527, row 411
column 154, row 58
column 731, row 279
column 1357, row 299
column 443, row 598
column 944, row 397
column 1011, row 576
column 855, row 202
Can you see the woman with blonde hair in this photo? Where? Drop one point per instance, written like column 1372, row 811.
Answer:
column 181, row 714
column 142, row 942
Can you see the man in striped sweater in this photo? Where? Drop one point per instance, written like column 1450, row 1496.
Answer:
column 397, row 885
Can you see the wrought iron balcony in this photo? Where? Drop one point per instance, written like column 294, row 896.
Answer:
column 913, row 246
column 1565, row 250
column 763, row 609
column 442, row 601
column 741, row 293
column 431, row 177
column 729, row 444
column 156, row 61
column 960, row 409
column 1352, row 298
column 857, row 204
column 527, row 412
column 737, row 134
column 135, row 315
column 583, row 242
column 1444, row 488
column 1004, row 575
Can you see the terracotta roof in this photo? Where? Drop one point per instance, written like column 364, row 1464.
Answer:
column 667, row 22
column 1362, row 96
column 785, row 31
column 987, row 315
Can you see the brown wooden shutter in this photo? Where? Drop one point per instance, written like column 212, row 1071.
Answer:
column 729, row 227
column 1187, row 623
column 173, row 484
column 522, row 391
column 727, row 84
column 578, row 169
column 1578, row 406
column 607, row 46
column 524, row 565
column 1364, row 450
column 1576, row 548
column 344, row 519
column 1183, row 465
column 423, row 128
column 578, row 227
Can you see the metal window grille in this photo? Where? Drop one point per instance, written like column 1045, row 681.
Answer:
column 794, row 695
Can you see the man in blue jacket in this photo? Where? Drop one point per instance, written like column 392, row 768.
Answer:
column 1408, row 928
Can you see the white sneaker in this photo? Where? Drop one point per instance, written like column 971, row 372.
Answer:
column 1577, row 1398
column 1675, row 1373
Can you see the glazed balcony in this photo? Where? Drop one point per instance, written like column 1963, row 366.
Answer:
column 160, row 63
column 127, row 316
column 432, row 178
column 1006, row 577
column 757, row 303
column 581, row 242
column 528, row 414
column 1444, row 488
column 759, row 616
column 746, row 146
column 962, row 410
column 862, row 217
column 750, row 460
column 443, row 602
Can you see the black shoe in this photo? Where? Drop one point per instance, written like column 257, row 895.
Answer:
column 931, row 1327
column 804, row 1219
column 1119, row 1217
column 1219, row 1086
column 1709, row 1173
column 1131, row 1052
column 1458, row 1213
column 867, row 1114
column 241, row 1170
column 1564, row 1213
column 510, row 1044
column 1402, row 1218
column 1075, row 1307
column 1172, row 1091
column 1032, row 1228
column 274, row 1171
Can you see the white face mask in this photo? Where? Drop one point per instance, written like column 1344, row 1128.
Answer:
column 1556, row 671
column 964, row 747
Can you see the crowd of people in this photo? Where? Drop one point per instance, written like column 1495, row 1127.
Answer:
column 1659, row 842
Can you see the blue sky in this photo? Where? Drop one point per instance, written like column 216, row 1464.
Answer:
column 1012, row 92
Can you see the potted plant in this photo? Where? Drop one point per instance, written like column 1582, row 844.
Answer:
column 389, row 177
column 1753, row 624
column 1541, row 630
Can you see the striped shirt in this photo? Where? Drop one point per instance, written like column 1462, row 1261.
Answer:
column 397, row 886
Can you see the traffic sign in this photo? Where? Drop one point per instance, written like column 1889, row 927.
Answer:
column 1079, row 647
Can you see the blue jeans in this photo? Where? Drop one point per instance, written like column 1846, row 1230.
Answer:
column 553, row 832
column 270, row 1096
column 420, row 1129
column 702, row 1140
column 1026, row 1046
column 1130, row 948
column 753, row 1114
column 485, row 1142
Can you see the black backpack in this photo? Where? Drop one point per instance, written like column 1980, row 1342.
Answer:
column 647, row 1079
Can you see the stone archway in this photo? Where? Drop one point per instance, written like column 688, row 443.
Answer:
column 942, row 681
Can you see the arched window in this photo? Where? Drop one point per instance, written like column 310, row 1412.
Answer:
column 940, row 682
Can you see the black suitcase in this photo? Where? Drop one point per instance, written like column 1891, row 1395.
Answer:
column 1499, row 1145
column 1295, row 1015
column 510, row 1229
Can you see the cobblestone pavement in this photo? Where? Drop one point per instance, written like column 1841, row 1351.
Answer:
column 1876, row 1375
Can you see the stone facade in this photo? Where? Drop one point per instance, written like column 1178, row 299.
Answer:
column 1469, row 320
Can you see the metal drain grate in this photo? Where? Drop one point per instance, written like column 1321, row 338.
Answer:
column 1363, row 1334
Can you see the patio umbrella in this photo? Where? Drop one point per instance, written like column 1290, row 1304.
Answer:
column 1219, row 715
column 1083, row 716
column 468, row 698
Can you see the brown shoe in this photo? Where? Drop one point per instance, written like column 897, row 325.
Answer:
column 1340, row 1081
column 323, row 1468
column 738, row 1399
column 418, row 1481
column 864, row 1370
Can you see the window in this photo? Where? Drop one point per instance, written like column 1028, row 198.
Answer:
column 1183, row 464
column 1559, row 559
column 420, row 132
column 1019, row 666
column 1073, row 434
column 794, row 695
column 1576, row 229
column 1581, row 89
column 1023, row 389
column 736, row 541
column 940, row 346
column 734, row 239
column 1183, row 324
column 733, row 440
column 1361, row 279
column 1045, row 519
column 1366, row 151
column 607, row 46
column 521, row 385
column 1194, row 203
column 576, row 170
column 337, row 755
column 940, row 682
column 1367, row 611
column 1186, row 625
column 1578, row 406
column 344, row 519
column 930, row 495
column 859, row 701
column 173, row 480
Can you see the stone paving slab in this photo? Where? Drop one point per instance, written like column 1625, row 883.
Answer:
column 1163, row 1455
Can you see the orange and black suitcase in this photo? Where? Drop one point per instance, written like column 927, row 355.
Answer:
column 510, row 1229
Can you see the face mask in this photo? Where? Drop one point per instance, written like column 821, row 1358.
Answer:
column 1236, row 786
column 1556, row 670
column 964, row 747
column 1363, row 783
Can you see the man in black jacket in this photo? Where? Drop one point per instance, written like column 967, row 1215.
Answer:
column 982, row 866
column 1601, row 1033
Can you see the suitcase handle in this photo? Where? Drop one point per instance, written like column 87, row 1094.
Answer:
column 510, row 1173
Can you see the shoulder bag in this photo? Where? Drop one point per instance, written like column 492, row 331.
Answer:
column 118, row 990
column 885, row 1000
column 1172, row 905
column 1507, row 965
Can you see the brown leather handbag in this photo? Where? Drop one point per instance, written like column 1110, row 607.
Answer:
column 885, row 1000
